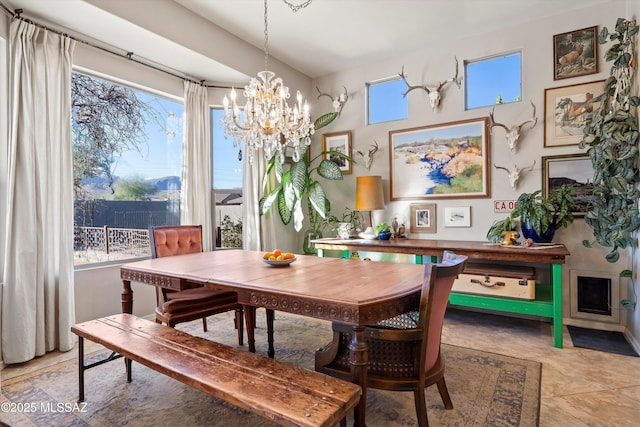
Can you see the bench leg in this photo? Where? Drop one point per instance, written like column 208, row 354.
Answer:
column 80, row 369
column 127, row 365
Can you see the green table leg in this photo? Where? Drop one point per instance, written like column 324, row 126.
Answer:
column 419, row 259
column 320, row 252
column 556, row 280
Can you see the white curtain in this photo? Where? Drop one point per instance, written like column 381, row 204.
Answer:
column 258, row 232
column 38, row 301
column 195, row 196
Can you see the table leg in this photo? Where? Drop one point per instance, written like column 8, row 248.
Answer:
column 271, row 352
column 556, row 280
column 250, row 320
column 359, row 360
column 127, row 297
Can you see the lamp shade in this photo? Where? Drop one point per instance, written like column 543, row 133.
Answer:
column 369, row 193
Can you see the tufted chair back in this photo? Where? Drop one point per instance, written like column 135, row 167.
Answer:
column 193, row 300
column 173, row 240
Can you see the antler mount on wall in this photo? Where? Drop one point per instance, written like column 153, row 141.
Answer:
column 434, row 92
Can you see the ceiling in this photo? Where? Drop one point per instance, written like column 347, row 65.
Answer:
column 326, row 37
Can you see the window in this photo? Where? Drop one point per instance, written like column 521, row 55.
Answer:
column 127, row 147
column 385, row 101
column 227, row 185
column 493, row 80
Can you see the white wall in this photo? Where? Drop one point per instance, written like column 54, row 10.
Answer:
column 98, row 294
column 535, row 40
column 633, row 317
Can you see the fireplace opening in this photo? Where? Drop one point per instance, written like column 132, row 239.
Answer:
column 594, row 295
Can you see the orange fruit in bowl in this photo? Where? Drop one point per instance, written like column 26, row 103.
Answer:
column 289, row 255
column 280, row 258
column 277, row 252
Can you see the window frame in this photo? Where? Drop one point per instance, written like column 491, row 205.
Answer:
column 504, row 54
column 368, row 86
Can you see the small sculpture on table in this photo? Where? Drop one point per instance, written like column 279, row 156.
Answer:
column 394, row 226
column 402, row 231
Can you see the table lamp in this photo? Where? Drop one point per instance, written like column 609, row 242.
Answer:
column 369, row 196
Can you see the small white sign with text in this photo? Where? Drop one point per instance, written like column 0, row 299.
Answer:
column 503, row 205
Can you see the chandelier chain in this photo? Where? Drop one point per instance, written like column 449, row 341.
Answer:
column 266, row 36
column 297, row 7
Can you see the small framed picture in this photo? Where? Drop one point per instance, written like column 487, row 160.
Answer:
column 341, row 143
column 575, row 53
column 459, row 216
column 423, row 218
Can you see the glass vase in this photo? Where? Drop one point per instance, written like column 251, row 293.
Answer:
column 309, row 235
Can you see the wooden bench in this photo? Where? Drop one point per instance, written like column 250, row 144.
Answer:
column 285, row 394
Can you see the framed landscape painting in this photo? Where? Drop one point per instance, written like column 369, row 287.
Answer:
column 566, row 110
column 573, row 169
column 449, row 160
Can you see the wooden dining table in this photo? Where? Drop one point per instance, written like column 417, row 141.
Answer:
column 353, row 292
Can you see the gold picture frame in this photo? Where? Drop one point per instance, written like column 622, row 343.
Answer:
column 423, row 218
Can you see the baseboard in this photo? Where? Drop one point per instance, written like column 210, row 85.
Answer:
column 632, row 341
column 590, row 324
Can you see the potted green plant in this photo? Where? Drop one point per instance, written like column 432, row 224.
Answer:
column 383, row 231
column 495, row 233
column 298, row 183
column 540, row 217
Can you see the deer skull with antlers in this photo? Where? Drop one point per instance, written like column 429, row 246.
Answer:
column 514, row 174
column 434, row 93
column 337, row 102
column 368, row 158
column 514, row 132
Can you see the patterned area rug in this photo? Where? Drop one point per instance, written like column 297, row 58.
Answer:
column 487, row 389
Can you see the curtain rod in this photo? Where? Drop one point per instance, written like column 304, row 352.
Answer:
column 129, row 55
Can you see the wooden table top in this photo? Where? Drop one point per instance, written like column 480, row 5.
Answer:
column 554, row 254
column 350, row 291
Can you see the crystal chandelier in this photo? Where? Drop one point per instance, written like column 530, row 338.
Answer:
column 267, row 121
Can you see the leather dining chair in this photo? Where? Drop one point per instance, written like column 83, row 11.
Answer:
column 404, row 351
column 196, row 300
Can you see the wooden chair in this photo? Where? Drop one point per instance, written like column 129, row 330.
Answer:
column 195, row 301
column 404, row 351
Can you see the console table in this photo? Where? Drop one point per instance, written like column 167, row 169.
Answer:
column 548, row 302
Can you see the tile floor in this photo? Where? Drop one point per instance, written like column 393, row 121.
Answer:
column 579, row 387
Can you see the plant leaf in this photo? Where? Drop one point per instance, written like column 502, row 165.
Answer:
column 285, row 213
column 317, row 198
column 298, row 216
column 324, row 120
column 266, row 202
column 299, row 174
column 329, row 170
